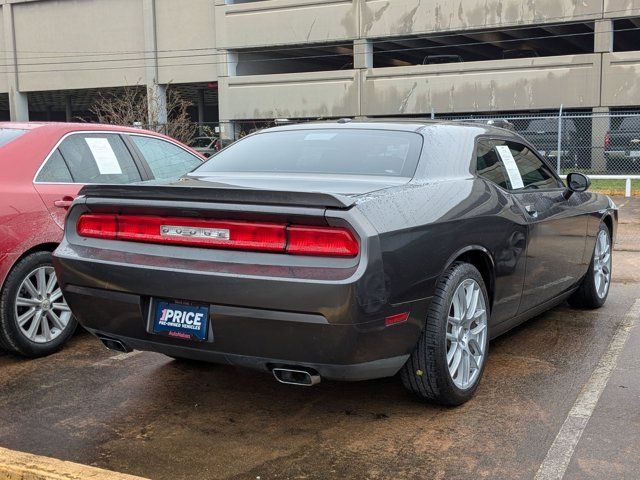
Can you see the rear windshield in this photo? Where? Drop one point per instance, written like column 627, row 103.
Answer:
column 322, row 151
column 8, row 134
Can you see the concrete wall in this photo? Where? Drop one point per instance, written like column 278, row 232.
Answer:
column 621, row 79
column 293, row 95
column 274, row 22
column 96, row 27
column 500, row 85
column 182, row 26
column 381, row 18
column 621, row 8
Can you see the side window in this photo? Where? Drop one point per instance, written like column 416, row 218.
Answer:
column 165, row 159
column 99, row 158
column 55, row 170
column 489, row 165
column 535, row 174
column 513, row 166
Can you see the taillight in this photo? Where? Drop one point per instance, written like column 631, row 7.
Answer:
column 330, row 242
column 238, row 235
column 607, row 141
column 97, row 226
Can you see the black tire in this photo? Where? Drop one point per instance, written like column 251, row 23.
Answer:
column 11, row 337
column 426, row 373
column 587, row 296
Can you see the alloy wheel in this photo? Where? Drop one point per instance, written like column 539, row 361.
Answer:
column 466, row 334
column 602, row 264
column 41, row 311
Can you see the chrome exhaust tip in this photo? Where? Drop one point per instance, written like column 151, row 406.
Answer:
column 291, row 376
column 115, row 345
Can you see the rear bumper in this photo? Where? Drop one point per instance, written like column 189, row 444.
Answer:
column 385, row 367
column 329, row 320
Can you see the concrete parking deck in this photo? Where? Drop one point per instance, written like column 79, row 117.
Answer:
column 148, row 415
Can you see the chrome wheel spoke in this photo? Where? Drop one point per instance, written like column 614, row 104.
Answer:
column 26, row 316
column 46, row 330
column 55, row 295
column 30, row 288
column 602, row 264
column 35, row 325
column 62, row 307
column 27, row 302
column 477, row 349
column 39, row 307
column 56, row 320
column 466, row 334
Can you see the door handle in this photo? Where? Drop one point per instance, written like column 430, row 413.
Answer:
column 65, row 202
column 531, row 211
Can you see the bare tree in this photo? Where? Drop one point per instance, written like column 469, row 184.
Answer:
column 130, row 106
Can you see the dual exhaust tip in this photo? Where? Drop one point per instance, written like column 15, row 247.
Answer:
column 296, row 377
column 289, row 376
column 115, row 345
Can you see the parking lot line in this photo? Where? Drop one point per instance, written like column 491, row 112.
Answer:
column 25, row 466
column 559, row 455
column 117, row 358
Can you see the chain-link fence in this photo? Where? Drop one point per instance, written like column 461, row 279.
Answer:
column 592, row 143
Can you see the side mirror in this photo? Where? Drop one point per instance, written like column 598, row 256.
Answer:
column 576, row 182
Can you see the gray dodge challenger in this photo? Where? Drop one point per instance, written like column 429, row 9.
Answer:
column 344, row 250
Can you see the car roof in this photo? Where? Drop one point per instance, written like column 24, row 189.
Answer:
column 408, row 125
column 67, row 127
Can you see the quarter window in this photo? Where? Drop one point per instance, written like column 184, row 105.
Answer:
column 165, row 159
column 55, row 170
column 513, row 166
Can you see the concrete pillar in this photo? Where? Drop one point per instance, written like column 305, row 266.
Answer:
column 229, row 129
column 362, row 54
column 156, row 93
column 18, row 101
column 68, row 110
column 227, row 67
column 603, row 36
column 157, row 105
column 201, row 111
column 600, row 125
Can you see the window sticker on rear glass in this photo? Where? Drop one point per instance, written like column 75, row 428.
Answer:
column 510, row 166
column 104, row 156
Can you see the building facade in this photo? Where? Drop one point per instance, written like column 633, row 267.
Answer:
column 266, row 59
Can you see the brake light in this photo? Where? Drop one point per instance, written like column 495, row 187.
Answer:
column 97, row 226
column 330, row 242
column 231, row 234
column 607, row 141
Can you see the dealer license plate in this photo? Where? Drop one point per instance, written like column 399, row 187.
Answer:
column 184, row 320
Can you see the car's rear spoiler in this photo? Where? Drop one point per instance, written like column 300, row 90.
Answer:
column 196, row 193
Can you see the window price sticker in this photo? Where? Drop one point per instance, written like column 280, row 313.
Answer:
column 510, row 166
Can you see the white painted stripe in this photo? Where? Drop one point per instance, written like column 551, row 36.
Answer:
column 117, row 358
column 559, row 455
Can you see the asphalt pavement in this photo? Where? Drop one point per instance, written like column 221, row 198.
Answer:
column 148, row 415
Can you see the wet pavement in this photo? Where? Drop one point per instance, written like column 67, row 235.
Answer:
column 149, row 415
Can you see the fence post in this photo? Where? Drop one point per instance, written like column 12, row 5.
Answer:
column 627, row 187
column 559, row 151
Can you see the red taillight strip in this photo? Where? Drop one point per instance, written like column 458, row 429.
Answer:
column 231, row 234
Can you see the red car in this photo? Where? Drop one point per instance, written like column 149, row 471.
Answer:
column 42, row 168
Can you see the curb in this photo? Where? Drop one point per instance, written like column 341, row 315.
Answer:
column 25, row 466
